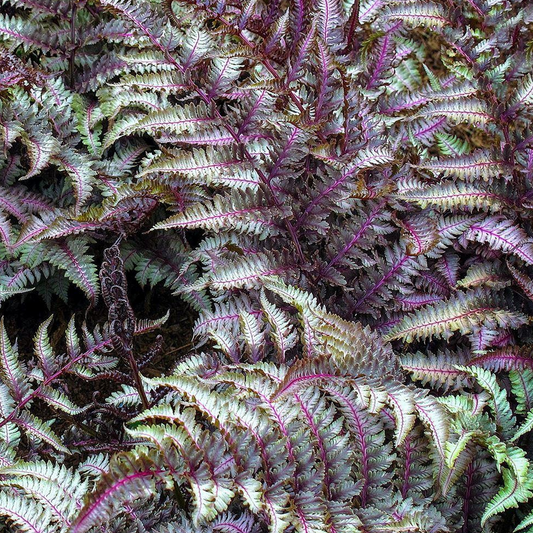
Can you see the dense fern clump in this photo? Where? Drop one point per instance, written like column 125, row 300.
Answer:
column 340, row 191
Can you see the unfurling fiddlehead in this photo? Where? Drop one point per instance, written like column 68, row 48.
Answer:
column 120, row 313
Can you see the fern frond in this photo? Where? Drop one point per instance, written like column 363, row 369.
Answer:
column 337, row 336
column 164, row 81
column 57, row 488
column 43, row 349
column 211, row 492
column 527, row 521
column 40, row 151
column 128, row 479
column 463, row 312
column 419, row 233
column 472, row 111
column 470, row 168
column 195, row 47
column 451, row 228
column 329, row 21
column 207, row 162
column 483, row 274
column 79, row 168
column 438, row 370
column 525, row 427
column 241, row 211
column 244, row 271
column 524, row 91
column 79, row 267
column 40, row 430
column 113, row 102
column 452, row 145
column 252, row 334
column 58, row 400
column 502, row 234
column 282, row 331
column 89, row 117
column 510, row 495
column 173, row 120
column 369, row 440
column 411, row 13
column 12, row 371
column 522, row 389
column 522, row 279
column 454, row 196
column 28, row 515
column 499, row 403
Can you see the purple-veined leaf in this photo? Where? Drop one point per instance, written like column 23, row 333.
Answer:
column 510, row 495
column 242, row 210
column 78, row 168
column 450, row 196
column 433, row 415
column 89, row 116
column 448, row 266
column 43, row 349
column 24, row 33
column 439, row 370
column 71, row 256
column 59, row 400
column 12, row 370
column 40, row 152
column 40, row 430
column 368, row 9
column 200, row 162
column 329, row 16
column 128, row 479
column 502, row 234
column 419, row 233
column 463, row 312
column 27, row 514
column 469, row 168
column 301, row 53
column 146, row 325
column 428, row 14
column 10, row 131
column 524, row 91
column 5, row 230
column 522, row 279
column 382, row 61
column 508, row 358
column 472, row 111
column 365, row 158
column 401, row 399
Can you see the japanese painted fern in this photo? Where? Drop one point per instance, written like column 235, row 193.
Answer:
column 313, row 179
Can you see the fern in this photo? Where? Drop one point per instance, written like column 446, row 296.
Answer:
column 279, row 403
column 312, row 180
